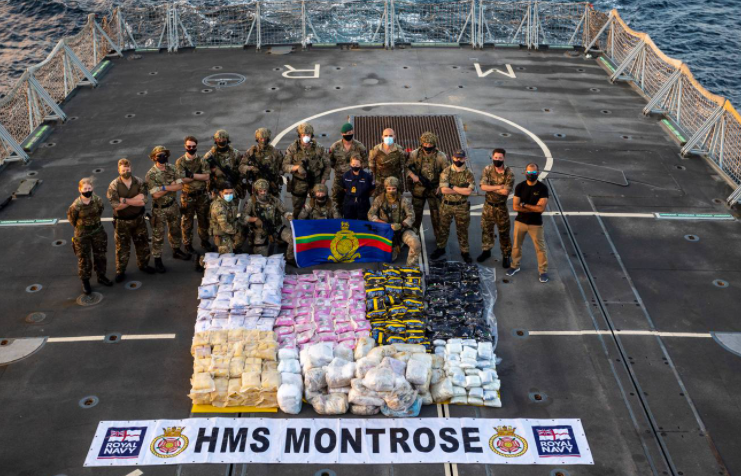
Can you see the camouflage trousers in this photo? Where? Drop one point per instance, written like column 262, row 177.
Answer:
column 165, row 217
column 411, row 239
column 462, row 215
column 228, row 243
column 338, row 190
column 127, row 231
column 287, row 235
column 419, row 208
column 191, row 207
column 261, row 241
column 496, row 216
column 90, row 251
column 298, row 204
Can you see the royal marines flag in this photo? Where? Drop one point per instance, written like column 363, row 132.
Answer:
column 341, row 241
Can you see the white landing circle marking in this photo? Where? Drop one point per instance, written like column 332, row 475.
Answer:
column 531, row 135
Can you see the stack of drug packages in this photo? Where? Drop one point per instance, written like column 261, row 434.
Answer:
column 234, row 347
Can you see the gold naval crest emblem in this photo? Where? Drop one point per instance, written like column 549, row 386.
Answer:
column 344, row 245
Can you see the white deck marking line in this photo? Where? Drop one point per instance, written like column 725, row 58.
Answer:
column 100, row 338
column 136, row 472
column 625, row 333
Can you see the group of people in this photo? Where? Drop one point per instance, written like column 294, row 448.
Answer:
column 366, row 186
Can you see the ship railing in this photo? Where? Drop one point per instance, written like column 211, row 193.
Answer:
column 706, row 124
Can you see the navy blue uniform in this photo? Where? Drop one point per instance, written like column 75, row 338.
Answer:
column 357, row 194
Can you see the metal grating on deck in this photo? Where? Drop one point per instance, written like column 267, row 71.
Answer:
column 448, row 128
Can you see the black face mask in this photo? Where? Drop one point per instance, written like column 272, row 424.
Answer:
column 162, row 159
column 458, row 163
column 87, row 194
column 428, row 149
column 532, row 177
column 355, row 169
column 348, row 137
column 392, row 195
column 222, row 145
column 191, row 151
column 321, row 200
column 498, row 163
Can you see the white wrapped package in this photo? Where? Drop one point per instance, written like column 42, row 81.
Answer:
column 459, row 400
column 472, row 381
column 491, row 399
column 364, row 410
column 485, row 351
column 289, row 366
column 320, row 354
column 425, row 397
column 364, row 345
column 442, row 391
column 396, row 365
column 468, row 353
column 380, row 379
column 476, row 392
column 459, row 391
column 344, row 390
column 330, row 404
column 436, row 375
column 378, row 353
column 472, row 371
column 290, row 399
column 417, row 372
column 468, row 363
column 363, row 365
column 315, row 379
column 496, row 384
column 401, row 397
column 287, row 353
column 452, row 348
column 458, row 379
column 292, row 379
column 340, row 375
column 411, row 348
column 357, row 398
column 487, row 376
column 475, row 401
column 344, row 352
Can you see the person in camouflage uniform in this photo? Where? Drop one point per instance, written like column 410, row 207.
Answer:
column 90, row 238
column 320, row 207
column 194, row 200
column 424, row 166
column 387, row 159
column 396, row 210
column 263, row 214
column 223, row 161
column 263, row 161
column 308, row 164
column 497, row 181
column 128, row 197
column 163, row 183
column 224, row 224
column 456, row 184
column 340, row 154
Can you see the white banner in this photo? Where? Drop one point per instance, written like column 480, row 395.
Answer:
column 341, row 441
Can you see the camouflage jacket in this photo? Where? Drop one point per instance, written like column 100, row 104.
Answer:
column 427, row 166
column 385, row 165
column 339, row 158
column 85, row 218
column 228, row 161
column 490, row 176
column 156, row 178
column 452, row 178
column 400, row 211
column 312, row 211
column 197, row 166
column 314, row 158
column 269, row 162
column 223, row 217
column 271, row 213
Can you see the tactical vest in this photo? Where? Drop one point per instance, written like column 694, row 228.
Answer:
column 123, row 192
column 300, row 186
column 319, row 213
column 392, row 214
column 264, row 160
column 428, row 168
column 227, row 160
column 219, row 207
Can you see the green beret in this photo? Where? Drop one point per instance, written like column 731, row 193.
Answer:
column 346, row 127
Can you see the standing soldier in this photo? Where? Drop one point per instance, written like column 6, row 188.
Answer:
column 359, row 185
column 339, row 158
column 194, row 200
column 222, row 161
column 224, row 225
column 497, row 181
column 263, row 161
column 456, row 184
column 387, row 160
column 128, row 197
column 424, row 166
column 90, row 237
column 163, row 183
column 308, row 165
column 264, row 214
column 392, row 208
column 320, row 207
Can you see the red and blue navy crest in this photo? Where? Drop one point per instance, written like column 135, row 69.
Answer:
column 122, row 443
column 555, row 441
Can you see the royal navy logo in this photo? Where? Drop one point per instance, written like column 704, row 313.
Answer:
column 122, row 443
column 170, row 443
column 555, row 441
column 507, row 443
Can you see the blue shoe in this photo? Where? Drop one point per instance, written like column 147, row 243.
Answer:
column 544, row 278
column 512, row 271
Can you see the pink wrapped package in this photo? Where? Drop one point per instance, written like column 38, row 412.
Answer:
column 346, row 336
column 344, row 317
column 307, row 278
column 341, row 327
column 323, row 302
column 361, row 326
column 304, row 337
column 325, row 327
column 309, row 326
column 328, row 337
column 303, row 319
column 283, row 330
column 322, row 294
column 284, row 321
column 287, row 341
column 290, row 279
column 356, row 316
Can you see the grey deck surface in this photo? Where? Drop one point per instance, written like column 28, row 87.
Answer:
column 649, row 404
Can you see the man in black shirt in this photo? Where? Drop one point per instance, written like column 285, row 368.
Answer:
column 529, row 202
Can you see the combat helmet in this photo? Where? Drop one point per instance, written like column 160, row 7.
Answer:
column 263, row 133
column 305, row 128
column 391, row 182
column 261, row 184
column 320, row 188
column 221, row 134
column 157, row 150
column 428, row 138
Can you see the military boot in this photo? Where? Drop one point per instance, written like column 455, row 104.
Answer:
column 467, row 257
column 189, row 249
column 437, row 254
column 178, row 254
column 148, row 269
column 485, row 255
column 104, row 281
column 120, row 277
column 506, row 261
column 207, row 246
column 159, row 266
column 86, row 286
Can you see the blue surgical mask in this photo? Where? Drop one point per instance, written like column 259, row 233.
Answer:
column 228, row 197
column 388, row 140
